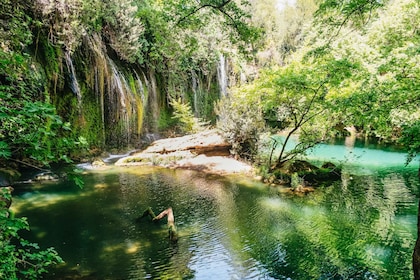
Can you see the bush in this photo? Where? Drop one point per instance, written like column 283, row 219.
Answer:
column 20, row 259
column 241, row 123
column 29, row 125
column 188, row 123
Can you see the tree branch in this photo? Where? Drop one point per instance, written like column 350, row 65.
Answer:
column 217, row 7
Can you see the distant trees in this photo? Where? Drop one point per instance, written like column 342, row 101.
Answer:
column 382, row 99
column 294, row 98
column 359, row 66
column 283, row 28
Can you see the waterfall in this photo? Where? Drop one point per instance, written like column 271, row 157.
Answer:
column 74, row 85
column 141, row 88
column 194, row 81
column 222, row 75
column 97, row 82
column 119, row 98
column 153, row 101
column 121, row 94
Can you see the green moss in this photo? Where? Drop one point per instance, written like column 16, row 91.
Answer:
column 89, row 122
column 166, row 121
column 50, row 57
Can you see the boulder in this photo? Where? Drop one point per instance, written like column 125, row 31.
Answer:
column 298, row 166
column 205, row 151
column 8, row 176
column 46, row 176
column 206, row 142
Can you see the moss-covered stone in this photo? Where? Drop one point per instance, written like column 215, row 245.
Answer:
column 307, row 173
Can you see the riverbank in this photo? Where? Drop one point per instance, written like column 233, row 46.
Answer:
column 205, row 151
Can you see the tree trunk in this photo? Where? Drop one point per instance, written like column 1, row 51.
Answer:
column 173, row 236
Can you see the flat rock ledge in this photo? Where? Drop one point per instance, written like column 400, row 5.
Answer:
column 205, row 151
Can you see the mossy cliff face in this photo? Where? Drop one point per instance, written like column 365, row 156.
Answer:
column 113, row 103
column 112, row 68
column 104, row 99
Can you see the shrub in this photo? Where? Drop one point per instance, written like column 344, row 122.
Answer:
column 188, row 123
column 20, row 259
column 241, row 123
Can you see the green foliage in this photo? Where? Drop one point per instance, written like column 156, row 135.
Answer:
column 20, row 259
column 335, row 14
column 294, row 98
column 378, row 99
column 411, row 139
column 124, row 29
column 240, row 121
column 30, row 127
column 14, row 29
column 188, row 123
column 231, row 15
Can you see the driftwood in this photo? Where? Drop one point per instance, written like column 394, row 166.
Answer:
column 173, row 236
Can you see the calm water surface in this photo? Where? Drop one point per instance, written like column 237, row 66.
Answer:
column 362, row 227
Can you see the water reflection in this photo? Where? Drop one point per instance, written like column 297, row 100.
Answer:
column 363, row 227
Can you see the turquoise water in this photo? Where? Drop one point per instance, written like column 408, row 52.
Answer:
column 362, row 227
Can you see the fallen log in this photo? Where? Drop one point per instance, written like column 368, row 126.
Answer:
column 173, row 236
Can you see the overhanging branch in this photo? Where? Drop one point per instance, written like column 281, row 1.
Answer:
column 216, row 7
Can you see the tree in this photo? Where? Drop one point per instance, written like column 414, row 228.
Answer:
column 334, row 15
column 241, row 122
column 386, row 101
column 283, row 26
column 294, row 97
column 383, row 99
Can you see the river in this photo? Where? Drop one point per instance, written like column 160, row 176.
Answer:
column 362, row 227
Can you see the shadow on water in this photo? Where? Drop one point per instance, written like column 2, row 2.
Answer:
column 363, row 227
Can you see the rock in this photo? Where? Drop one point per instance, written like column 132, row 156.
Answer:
column 298, row 166
column 46, row 176
column 205, row 151
column 201, row 143
column 98, row 163
column 310, row 174
column 8, row 176
column 329, row 165
column 214, row 164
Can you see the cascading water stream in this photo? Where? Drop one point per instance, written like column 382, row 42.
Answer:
column 74, row 85
column 119, row 86
column 121, row 95
column 195, row 86
column 222, row 75
column 153, row 100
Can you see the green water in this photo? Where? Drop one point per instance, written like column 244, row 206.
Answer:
column 362, row 227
